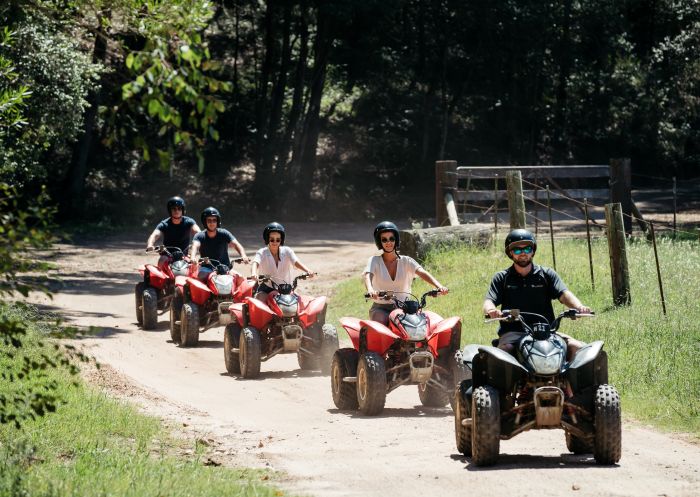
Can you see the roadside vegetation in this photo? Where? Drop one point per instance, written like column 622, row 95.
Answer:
column 93, row 445
column 653, row 359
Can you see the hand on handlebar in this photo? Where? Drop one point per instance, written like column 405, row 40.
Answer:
column 443, row 290
column 494, row 313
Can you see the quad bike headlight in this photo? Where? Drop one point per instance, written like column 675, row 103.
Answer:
column 180, row 268
column 224, row 284
column 416, row 326
column 288, row 304
column 545, row 365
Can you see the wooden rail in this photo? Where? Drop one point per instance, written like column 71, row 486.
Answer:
column 483, row 189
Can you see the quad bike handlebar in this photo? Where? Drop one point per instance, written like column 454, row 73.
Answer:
column 262, row 278
column 175, row 253
column 515, row 315
column 401, row 304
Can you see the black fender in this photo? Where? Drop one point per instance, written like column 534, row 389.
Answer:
column 468, row 354
column 589, row 367
column 497, row 368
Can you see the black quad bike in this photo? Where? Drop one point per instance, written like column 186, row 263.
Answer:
column 537, row 389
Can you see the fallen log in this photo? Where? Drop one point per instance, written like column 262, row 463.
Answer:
column 417, row 243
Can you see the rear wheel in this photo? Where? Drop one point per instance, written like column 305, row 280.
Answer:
column 486, row 426
column 607, row 447
column 175, row 315
column 329, row 344
column 189, row 325
column 371, row 383
column 344, row 363
column 249, row 352
column 150, row 308
column 577, row 445
column 232, row 336
column 138, row 293
column 432, row 396
column 463, row 434
column 307, row 361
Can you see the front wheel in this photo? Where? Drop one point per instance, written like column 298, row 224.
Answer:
column 175, row 316
column 138, row 293
column 432, row 396
column 607, row 447
column 463, row 434
column 577, row 445
column 232, row 336
column 329, row 344
column 371, row 383
column 189, row 325
column 249, row 352
column 344, row 364
column 486, row 426
column 150, row 308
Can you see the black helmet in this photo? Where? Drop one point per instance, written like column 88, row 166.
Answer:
column 518, row 236
column 208, row 212
column 381, row 228
column 176, row 202
column 274, row 226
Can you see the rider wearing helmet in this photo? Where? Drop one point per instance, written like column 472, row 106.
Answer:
column 529, row 288
column 214, row 242
column 275, row 260
column 390, row 271
column 177, row 229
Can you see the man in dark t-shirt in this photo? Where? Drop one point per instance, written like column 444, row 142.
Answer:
column 175, row 230
column 529, row 288
column 214, row 242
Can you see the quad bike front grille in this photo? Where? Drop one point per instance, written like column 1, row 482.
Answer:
column 421, row 364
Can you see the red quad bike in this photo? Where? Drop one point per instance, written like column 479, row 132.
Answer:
column 286, row 323
column 155, row 292
column 537, row 389
column 205, row 305
column 418, row 347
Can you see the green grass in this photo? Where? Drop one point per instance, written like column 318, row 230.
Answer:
column 654, row 360
column 96, row 446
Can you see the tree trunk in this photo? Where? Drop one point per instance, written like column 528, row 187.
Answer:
column 292, row 132
column 77, row 173
column 272, row 142
column 262, row 187
column 312, row 124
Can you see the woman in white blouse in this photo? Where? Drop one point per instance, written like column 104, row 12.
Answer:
column 391, row 271
column 275, row 260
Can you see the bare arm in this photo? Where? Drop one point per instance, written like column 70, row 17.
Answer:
column 367, row 278
column 194, row 251
column 195, row 229
column 489, row 309
column 430, row 279
column 572, row 302
column 239, row 248
column 300, row 265
column 152, row 239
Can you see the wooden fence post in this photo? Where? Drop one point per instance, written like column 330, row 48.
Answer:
column 516, row 201
column 619, row 270
column 588, row 237
column 551, row 228
column 621, row 189
column 445, row 182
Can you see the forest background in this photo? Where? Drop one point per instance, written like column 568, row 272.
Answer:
column 335, row 109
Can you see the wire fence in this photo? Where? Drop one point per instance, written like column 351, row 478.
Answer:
column 584, row 207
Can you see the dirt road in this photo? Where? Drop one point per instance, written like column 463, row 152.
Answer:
column 286, row 419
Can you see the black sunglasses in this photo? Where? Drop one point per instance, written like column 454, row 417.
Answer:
column 387, row 240
column 275, row 239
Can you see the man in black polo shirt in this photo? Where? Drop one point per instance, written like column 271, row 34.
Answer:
column 177, row 229
column 529, row 288
column 214, row 242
